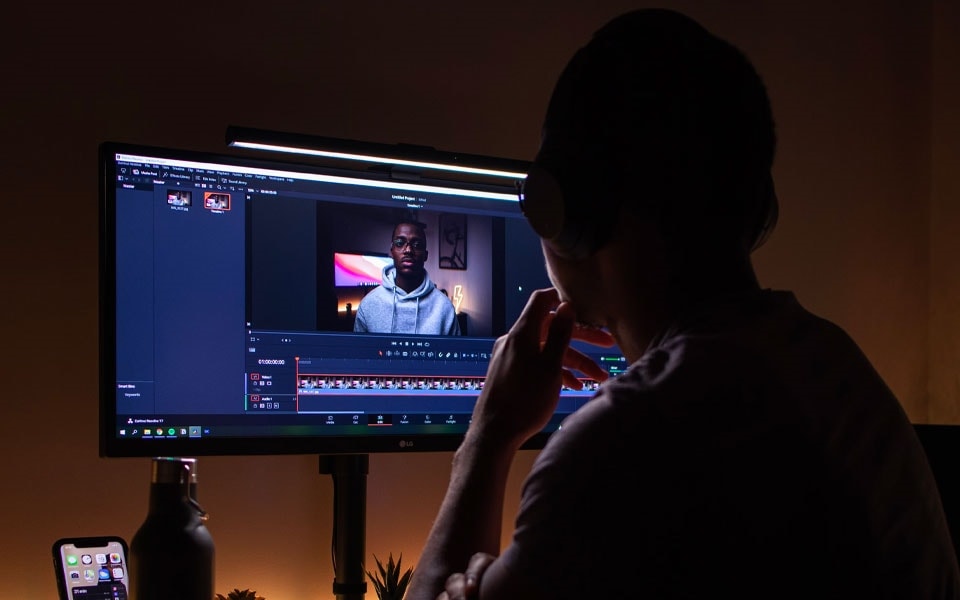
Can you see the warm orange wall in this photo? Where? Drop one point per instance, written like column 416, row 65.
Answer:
column 851, row 88
column 945, row 216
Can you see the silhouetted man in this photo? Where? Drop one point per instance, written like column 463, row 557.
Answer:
column 750, row 450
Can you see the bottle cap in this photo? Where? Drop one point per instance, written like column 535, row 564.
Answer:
column 167, row 469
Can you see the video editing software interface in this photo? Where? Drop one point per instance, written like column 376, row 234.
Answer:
column 238, row 283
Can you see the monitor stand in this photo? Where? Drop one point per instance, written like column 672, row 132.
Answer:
column 349, row 473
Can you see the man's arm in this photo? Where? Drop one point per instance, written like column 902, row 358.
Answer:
column 359, row 319
column 520, row 394
column 469, row 519
column 454, row 328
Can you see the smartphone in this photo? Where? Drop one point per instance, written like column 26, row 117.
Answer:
column 91, row 568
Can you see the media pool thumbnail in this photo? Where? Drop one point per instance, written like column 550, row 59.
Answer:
column 179, row 198
column 216, row 201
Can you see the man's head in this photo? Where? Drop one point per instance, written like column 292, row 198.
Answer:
column 660, row 117
column 408, row 249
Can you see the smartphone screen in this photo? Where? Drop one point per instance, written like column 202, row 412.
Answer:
column 91, row 568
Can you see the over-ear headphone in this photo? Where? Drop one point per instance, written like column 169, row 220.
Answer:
column 571, row 208
column 625, row 81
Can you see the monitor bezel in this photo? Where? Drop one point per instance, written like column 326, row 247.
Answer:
column 111, row 446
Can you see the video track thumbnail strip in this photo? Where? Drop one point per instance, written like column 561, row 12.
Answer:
column 315, row 384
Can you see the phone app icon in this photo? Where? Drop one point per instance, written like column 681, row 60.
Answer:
column 115, row 558
column 72, row 560
column 118, row 572
column 103, row 574
column 89, row 575
column 74, row 575
column 101, row 559
column 86, row 559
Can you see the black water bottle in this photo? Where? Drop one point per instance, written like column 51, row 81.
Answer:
column 172, row 554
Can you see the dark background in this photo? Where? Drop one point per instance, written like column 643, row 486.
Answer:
column 864, row 93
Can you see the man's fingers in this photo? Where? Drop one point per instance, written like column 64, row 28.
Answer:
column 535, row 313
column 594, row 336
column 570, row 380
column 578, row 361
column 558, row 335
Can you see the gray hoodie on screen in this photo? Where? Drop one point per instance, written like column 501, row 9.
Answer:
column 389, row 309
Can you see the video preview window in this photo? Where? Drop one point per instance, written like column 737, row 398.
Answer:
column 311, row 263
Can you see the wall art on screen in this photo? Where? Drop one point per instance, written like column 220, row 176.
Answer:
column 453, row 241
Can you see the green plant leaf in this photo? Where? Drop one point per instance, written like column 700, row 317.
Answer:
column 238, row 594
column 388, row 583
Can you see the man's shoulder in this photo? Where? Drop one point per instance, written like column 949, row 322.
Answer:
column 376, row 293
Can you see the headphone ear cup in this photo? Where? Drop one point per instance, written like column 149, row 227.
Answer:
column 563, row 220
column 769, row 213
column 542, row 203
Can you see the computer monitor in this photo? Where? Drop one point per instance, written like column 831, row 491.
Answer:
column 229, row 289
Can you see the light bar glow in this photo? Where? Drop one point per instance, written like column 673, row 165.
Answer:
column 394, row 185
column 378, row 159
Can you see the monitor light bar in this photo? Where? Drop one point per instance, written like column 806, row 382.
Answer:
column 403, row 155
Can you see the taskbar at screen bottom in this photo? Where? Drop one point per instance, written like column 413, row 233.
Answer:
column 215, row 435
column 199, row 427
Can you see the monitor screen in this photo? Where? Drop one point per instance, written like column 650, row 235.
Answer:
column 252, row 306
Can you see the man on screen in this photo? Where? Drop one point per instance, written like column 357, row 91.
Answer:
column 407, row 301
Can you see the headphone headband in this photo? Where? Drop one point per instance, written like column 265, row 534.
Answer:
column 652, row 110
